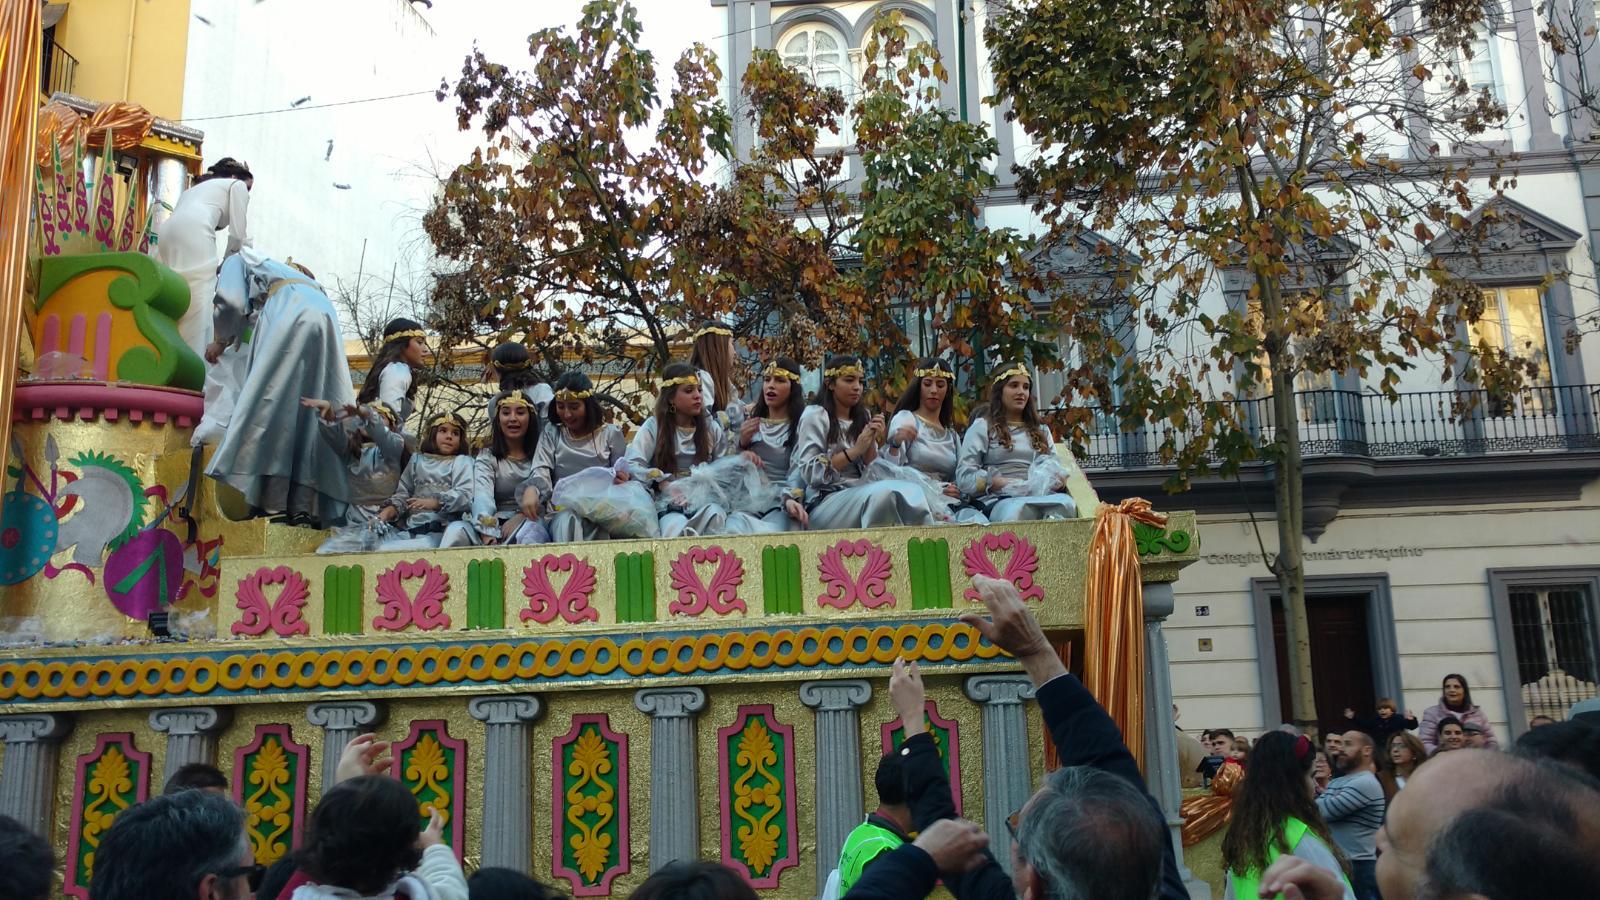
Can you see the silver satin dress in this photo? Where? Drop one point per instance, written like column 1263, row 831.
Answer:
column 841, row 499
column 374, row 471
column 271, row 451
column 447, row 479
column 708, row 519
column 497, row 486
column 558, row 456
column 730, row 418
column 770, row 443
column 933, row 452
column 983, row 458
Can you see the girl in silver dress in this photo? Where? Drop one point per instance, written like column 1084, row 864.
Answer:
column 577, row 438
column 499, row 479
column 999, row 450
column 435, row 488
column 374, row 454
column 679, row 436
column 714, row 361
column 767, row 438
column 511, row 367
column 922, row 433
column 391, row 380
column 837, row 439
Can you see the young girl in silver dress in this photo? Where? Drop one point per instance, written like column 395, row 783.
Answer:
column 577, row 438
column 999, row 450
column 434, row 490
column 767, row 437
column 499, row 478
column 715, row 362
column 923, row 436
column 837, row 440
column 679, row 436
column 392, row 378
column 374, row 453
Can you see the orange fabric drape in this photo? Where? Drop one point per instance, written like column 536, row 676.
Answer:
column 20, row 35
column 1114, row 618
column 1205, row 815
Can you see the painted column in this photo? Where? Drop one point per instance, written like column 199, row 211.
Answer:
column 1160, row 733
column 1007, row 765
column 191, row 734
column 1535, row 101
column 28, row 778
column 508, row 806
column 340, row 722
column 838, row 764
column 674, row 795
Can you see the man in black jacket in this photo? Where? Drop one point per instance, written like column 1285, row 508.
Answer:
column 1090, row 831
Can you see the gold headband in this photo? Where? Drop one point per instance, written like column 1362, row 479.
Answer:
column 384, row 410
column 776, row 371
column 446, row 419
column 932, row 373
column 413, row 333
column 513, row 400
column 511, row 366
column 566, row 394
column 713, row 329
column 841, row 371
column 1013, row 372
column 680, row 381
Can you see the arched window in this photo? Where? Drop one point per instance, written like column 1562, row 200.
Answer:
column 916, row 33
column 820, row 52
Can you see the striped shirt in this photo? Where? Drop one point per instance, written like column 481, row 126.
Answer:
column 1353, row 806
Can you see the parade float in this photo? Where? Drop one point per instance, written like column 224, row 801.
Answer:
column 585, row 712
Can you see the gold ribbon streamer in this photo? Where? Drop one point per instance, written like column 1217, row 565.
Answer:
column 20, row 34
column 1205, row 815
column 1114, row 618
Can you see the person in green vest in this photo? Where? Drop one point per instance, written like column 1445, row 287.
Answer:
column 1275, row 814
column 885, row 828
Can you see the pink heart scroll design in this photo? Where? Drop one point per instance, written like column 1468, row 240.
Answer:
column 284, row 616
column 425, row 609
column 572, row 603
column 870, row 589
column 695, row 596
column 1019, row 569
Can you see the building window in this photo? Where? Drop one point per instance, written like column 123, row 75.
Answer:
column 1513, row 323
column 888, row 69
column 1315, row 400
column 821, row 54
column 1553, row 638
column 1479, row 66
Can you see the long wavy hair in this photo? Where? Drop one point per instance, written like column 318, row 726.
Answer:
column 796, row 405
column 577, row 382
column 714, row 353
column 1000, row 423
column 858, row 414
column 665, row 457
column 1274, row 788
column 499, row 444
column 392, row 351
column 912, row 398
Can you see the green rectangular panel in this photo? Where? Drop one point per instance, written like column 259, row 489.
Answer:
column 636, row 587
column 486, row 593
column 341, row 599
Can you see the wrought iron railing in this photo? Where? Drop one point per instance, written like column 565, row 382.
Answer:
column 60, row 70
column 1349, row 423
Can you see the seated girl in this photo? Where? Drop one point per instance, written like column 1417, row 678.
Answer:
column 713, row 359
column 576, row 439
column 767, row 437
column 374, row 454
column 679, row 436
column 837, row 440
column 434, row 490
column 511, row 368
column 999, row 452
column 922, row 433
column 499, row 479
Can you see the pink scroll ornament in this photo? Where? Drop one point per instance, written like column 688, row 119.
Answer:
column 870, row 588
column 571, row 603
column 721, row 596
column 424, row 609
column 283, row 616
column 1024, row 561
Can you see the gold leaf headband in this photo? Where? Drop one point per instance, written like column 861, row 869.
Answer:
column 776, row 371
column 445, row 419
column 713, row 329
column 513, row 400
column 511, row 366
column 680, row 381
column 569, row 394
column 413, row 333
column 1014, row 371
column 841, row 371
column 933, row 373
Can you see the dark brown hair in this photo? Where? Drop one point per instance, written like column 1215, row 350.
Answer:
column 363, row 835
column 858, row 414
column 430, row 438
column 714, row 353
column 665, row 457
column 499, row 444
column 1273, row 789
column 1000, row 424
column 576, row 381
column 912, row 398
column 797, row 400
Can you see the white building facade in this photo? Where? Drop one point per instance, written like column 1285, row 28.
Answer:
column 1437, row 546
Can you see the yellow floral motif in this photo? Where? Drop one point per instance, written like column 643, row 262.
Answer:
column 591, row 760
column 428, row 771
column 757, row 786
column 109, row 780
column 268, row 818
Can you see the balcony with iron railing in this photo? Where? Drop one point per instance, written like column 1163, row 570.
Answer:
column 58, row 71
column 1422, row 425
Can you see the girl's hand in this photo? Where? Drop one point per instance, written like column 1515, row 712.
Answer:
column 797, row 512
column 423, row 503
column 754, row 459
column 323, row 407
column 434, row 833
column 530, row 503
column 621, row 477
column 214, row 351
column 510, row 527
column 951, row 490
column 998, row 482
column 747, row 432
column 388, row 514
column 905, row 436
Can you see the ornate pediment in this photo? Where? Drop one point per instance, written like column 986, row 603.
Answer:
column 1085, row 263
column 1501, row 227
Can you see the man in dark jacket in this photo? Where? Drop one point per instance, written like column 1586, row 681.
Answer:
column 1091, row 830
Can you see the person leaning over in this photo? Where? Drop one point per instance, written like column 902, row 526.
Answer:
column 1090, row 831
